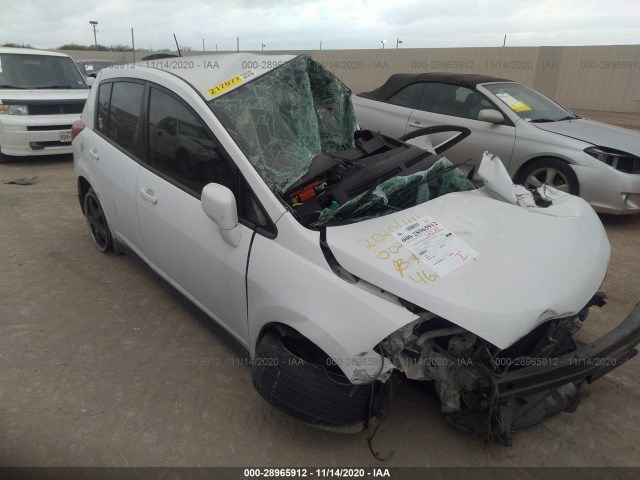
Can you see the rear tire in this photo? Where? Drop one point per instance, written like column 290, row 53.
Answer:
column 97, row 222
column 310, row 392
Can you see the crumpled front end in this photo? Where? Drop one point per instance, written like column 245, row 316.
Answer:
column 493, row 392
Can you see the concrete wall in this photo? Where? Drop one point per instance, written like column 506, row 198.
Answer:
column 604, row 78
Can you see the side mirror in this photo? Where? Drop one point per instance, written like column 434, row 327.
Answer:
column 90, row 81
column 219, row 204
column 490, row 115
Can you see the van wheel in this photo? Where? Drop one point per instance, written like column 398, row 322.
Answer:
column 550, row 171
column 304, row 385
column 97, row 222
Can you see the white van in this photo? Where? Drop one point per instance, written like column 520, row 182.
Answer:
column 41, row 94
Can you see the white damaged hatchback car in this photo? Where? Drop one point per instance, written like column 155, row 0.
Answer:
column 342, row 260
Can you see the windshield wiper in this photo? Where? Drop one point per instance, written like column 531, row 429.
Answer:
column 548, row 120
column 53, row 87
column 542, row 120
column 12, row 86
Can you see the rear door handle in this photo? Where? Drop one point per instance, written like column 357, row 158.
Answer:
column 148, row 195
column 415, row 124
column 94, row 154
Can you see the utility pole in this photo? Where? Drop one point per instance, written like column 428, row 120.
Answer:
column 263, row 45
column 320, row 44
column 94, row 24
column 504, row 42
column 133, row 46
column 398, row 41
column 203, row 45
column 238, row 44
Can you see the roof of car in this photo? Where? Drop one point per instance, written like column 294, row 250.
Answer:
column 397, row 82
column 218, row 74
column 31, row 51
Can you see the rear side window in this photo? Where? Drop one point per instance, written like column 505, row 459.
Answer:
column 453, row 100
column 182, row 148
column 102, row 119
column 409, row 96
column 123, row 125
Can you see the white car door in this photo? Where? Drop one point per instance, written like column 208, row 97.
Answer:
column 114, row 150
column 183, row 244
column 448, row 104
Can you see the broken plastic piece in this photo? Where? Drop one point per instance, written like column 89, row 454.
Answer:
column 496, row 178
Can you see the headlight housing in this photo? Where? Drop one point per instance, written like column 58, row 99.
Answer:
column 623, row 161
column 14, row 109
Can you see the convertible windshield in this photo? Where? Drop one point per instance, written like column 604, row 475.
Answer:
column 286, row 117
column 529, row 104
column 39, row 72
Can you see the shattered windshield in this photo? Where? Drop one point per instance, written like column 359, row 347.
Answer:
column 399, row 193
column 286, row 117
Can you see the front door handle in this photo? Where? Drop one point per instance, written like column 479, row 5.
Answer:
column 415, row 124
column 93, row 153
column 148, row 195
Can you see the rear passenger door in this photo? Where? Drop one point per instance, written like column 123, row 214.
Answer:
column 184, row 245
column 116, row 151
column 450, row 104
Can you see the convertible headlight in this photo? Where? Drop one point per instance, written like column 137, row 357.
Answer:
column 14, row 109
column 623, row 161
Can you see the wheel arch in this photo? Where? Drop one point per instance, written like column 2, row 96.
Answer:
column 83, row 188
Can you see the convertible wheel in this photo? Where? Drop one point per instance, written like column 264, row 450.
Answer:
column 301, row 385
column 550, row 171
column 97, row 222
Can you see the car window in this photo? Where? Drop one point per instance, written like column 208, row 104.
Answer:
column 30, row 71
column 409, row 96
column 184, row 150
column 104, row 96
column 454, row 100
column 124, row 115
column 528, row 103
column 181, row 147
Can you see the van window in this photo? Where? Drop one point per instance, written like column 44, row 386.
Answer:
column 124, row 115
column 25, row 71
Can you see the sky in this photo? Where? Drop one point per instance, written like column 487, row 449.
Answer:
column 303, row 24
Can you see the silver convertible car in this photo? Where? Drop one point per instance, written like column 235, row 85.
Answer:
column 539, row 141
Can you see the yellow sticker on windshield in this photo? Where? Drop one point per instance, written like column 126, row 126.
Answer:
column 221, row 87
column 513, row 103
column 232, row 82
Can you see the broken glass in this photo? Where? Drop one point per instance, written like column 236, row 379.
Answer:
column 284, row 118
column 399, row 193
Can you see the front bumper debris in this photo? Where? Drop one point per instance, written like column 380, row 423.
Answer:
column 526, row 396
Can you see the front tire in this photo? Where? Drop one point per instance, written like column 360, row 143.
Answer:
column 97, row 222
column 550, row 171
column 304, row 388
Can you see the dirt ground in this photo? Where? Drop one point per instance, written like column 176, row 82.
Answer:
column 101, row 366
